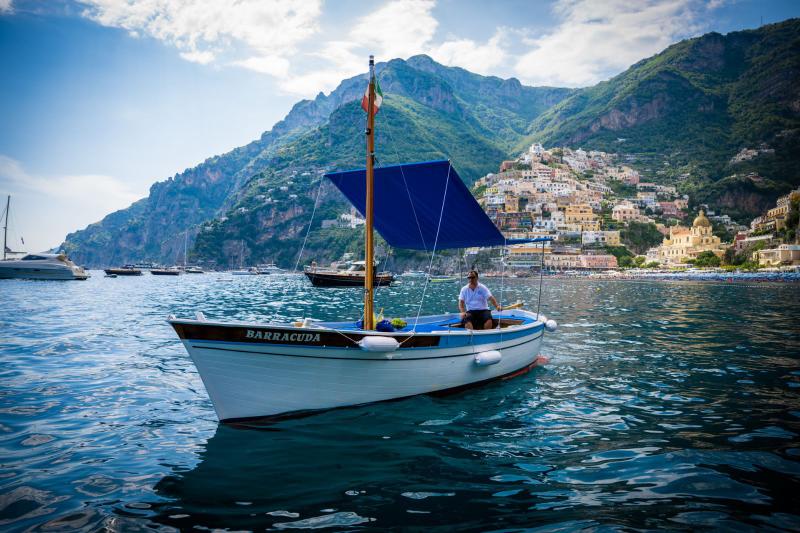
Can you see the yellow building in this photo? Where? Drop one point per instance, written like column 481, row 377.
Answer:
column 687, row 243
column 785, row 254
column 581, row 215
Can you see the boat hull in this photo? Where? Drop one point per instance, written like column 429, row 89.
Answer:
column 42, row 273
column 346, row 280
column 123, row 271
column 248, row 377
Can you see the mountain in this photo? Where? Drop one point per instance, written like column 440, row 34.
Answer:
column 681, row 116
column 697, row 104
column 430, row 111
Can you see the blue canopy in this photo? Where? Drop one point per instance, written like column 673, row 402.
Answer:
column 409, row 200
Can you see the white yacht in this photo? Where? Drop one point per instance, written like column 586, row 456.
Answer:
column 36, row 266
column 42, row 266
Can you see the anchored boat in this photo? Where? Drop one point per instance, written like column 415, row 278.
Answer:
column 353, row 276
column 258, row 370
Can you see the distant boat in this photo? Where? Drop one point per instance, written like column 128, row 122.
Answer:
column 249, row 272
column 42, row 266
column 170, row 271
column 352, row 277
column 243, row 271
column 127, row 270
column 443, row 279
column 37, row 266
column 193, row 270
column 270, row 268
column 414, row 274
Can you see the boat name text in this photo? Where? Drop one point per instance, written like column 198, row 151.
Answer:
column 282, row 336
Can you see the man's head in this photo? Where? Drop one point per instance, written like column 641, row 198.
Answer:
column 472, row 276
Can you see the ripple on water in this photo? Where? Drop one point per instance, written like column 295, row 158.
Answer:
column 655, row 394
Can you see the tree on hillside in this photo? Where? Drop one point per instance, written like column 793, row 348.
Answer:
column 706, row 259
column 640, row 236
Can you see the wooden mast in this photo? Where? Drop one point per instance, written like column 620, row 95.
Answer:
column 369, row 323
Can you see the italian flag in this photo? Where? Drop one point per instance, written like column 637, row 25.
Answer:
column 376, row 105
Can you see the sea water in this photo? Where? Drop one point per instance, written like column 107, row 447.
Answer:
column 671, row 405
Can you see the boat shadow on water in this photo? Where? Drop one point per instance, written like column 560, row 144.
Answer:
column 393, row 464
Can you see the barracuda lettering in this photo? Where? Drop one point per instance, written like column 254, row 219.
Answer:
column 281, row 336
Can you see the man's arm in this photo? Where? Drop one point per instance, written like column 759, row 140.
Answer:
column 462, row 308
column 495, row 304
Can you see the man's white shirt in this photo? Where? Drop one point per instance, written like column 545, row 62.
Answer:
column 477, row 299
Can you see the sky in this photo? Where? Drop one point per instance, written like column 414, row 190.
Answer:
column 99, row 99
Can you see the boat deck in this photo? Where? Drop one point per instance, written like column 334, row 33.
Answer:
column 433, row 323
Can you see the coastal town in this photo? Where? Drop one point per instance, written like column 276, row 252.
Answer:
column 602, row 215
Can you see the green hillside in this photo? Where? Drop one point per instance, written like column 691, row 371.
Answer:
column 430, row 112
column 692, row 108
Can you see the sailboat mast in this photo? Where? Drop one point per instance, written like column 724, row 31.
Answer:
column 185, row 238
column 368, row 241
column 5, row 228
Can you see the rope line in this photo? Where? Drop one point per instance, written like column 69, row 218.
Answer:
column 435, row 244
column 541, row 277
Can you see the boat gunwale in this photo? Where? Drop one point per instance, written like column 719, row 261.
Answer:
column 537, row 321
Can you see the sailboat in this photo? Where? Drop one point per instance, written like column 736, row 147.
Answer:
column 274, row 370
column 242, row 272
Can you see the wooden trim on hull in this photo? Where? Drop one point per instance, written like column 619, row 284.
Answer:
column 266, row 420
column 260, row 335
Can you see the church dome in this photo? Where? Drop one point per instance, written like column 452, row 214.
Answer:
column 701, row 220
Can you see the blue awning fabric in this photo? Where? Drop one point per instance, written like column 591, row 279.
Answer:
column 409, row 200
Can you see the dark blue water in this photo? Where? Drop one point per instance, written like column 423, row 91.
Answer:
column 666, row 405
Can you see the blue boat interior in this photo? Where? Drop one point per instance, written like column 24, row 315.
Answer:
column 429, row 324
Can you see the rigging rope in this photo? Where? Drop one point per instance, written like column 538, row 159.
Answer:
column 435, row 243
column 310, row 222
column 541, row 276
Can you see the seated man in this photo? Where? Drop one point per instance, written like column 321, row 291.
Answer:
column 473, row 304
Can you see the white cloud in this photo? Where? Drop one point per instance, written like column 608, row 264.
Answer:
column 475, row 57
column 6, row 7
column 591, row 41
column 46, row 208
column 273, row 65
column 600, row 38
column 399, row 28
column 197, row 56
column 200, row 29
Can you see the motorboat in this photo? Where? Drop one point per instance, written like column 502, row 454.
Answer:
column 414, row 274
column 268, row 370
column 270, row 268
column 193, row 270
column 252, row 271
column 126, row 270
column 169, row 271
column 35, row 266
column 42, row 266
column 353, row 276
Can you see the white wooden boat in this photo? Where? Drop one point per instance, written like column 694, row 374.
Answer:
column 254, row 371
column 258, row 370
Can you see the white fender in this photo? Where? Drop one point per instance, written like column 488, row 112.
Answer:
column 199, row 316
column 488, row 358
column 375, row 343
column 551, row 325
